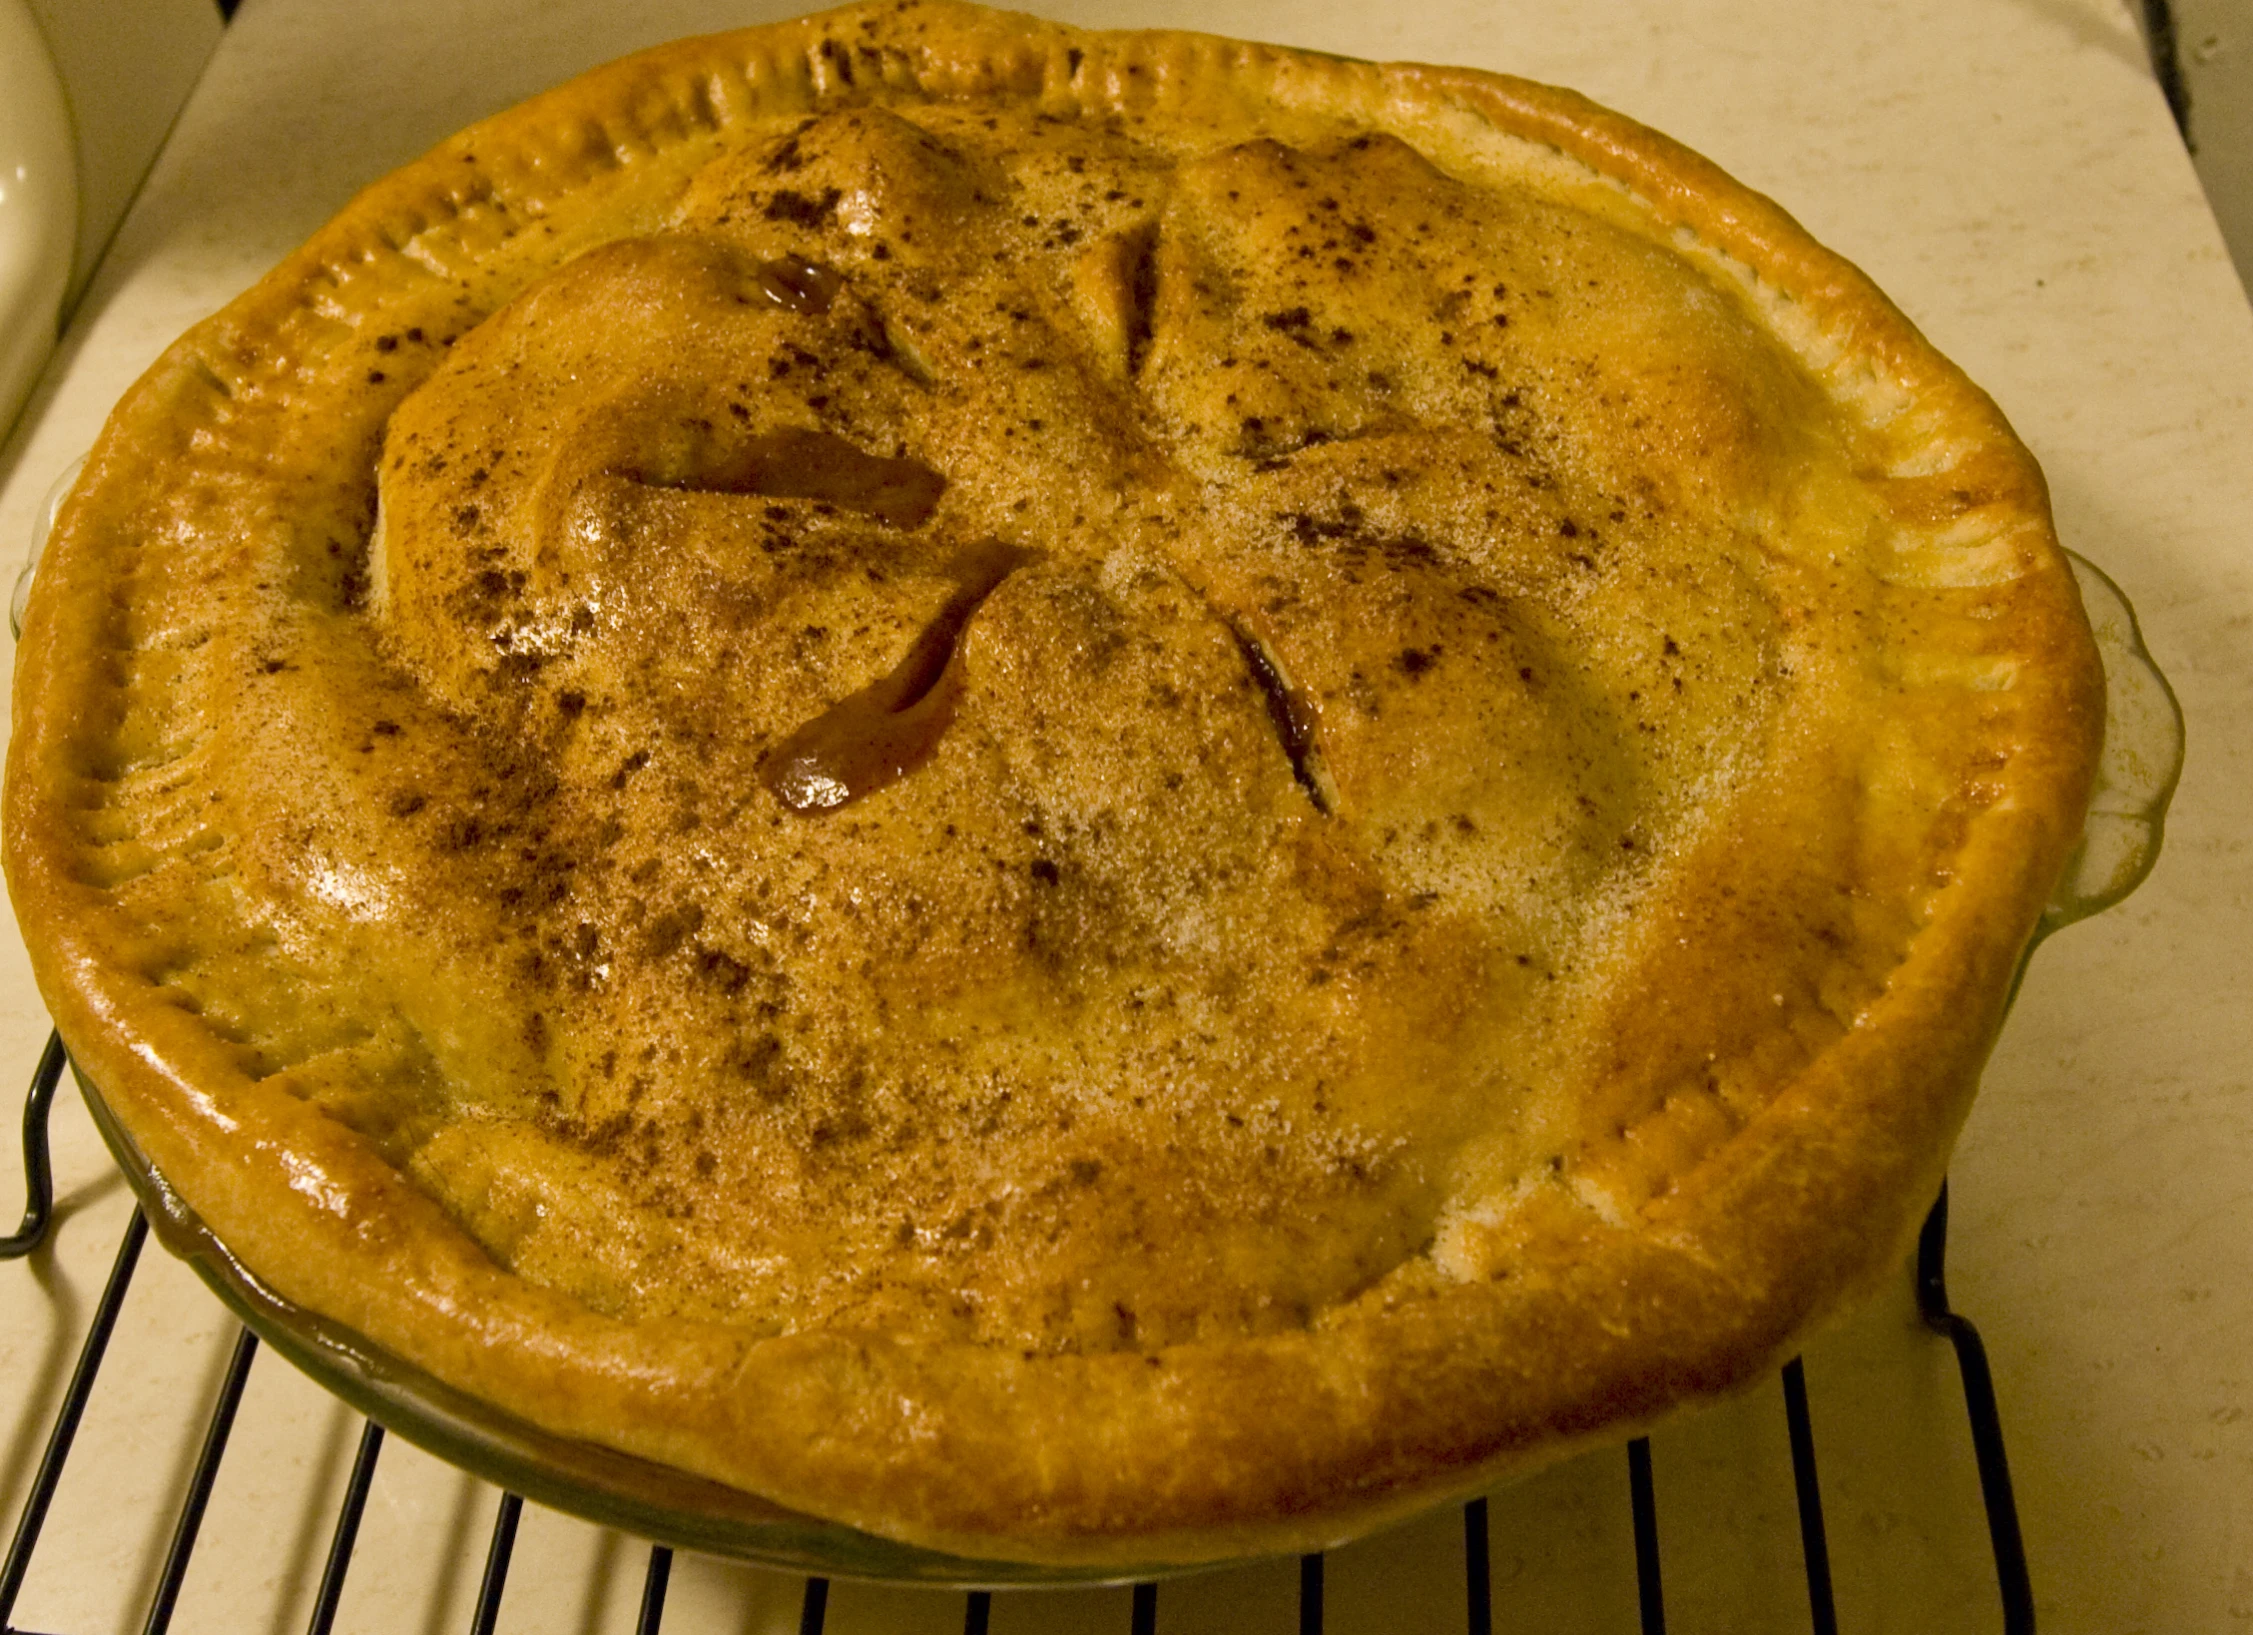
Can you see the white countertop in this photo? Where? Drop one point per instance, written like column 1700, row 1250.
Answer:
column 2007, row 171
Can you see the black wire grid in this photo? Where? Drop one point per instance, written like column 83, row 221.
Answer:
column 2017, row 1594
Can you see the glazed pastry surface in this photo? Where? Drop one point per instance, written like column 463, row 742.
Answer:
column 915, row 744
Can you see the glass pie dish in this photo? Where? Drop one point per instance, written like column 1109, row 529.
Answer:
column 1456, row 911
column 2141, row 760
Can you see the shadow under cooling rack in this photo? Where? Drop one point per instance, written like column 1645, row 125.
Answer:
column 1148, row 1607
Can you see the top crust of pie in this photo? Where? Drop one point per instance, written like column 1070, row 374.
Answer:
column 1093, row 798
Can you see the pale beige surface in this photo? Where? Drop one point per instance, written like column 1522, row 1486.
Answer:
column 2007, row 172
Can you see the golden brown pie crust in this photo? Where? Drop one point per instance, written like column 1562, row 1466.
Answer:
column 1477, row 726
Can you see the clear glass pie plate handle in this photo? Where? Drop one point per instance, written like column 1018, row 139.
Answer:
column 2142, row 758
column 42, row 524
column 2136, row 775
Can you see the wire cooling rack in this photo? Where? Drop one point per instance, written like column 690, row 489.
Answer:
column 1147, row 1614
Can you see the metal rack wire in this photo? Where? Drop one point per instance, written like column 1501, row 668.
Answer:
column 2015, row 1589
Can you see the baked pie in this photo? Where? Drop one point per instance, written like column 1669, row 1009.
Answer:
column 1090, row 798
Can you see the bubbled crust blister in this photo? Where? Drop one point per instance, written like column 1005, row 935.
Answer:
column 1498, row 738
